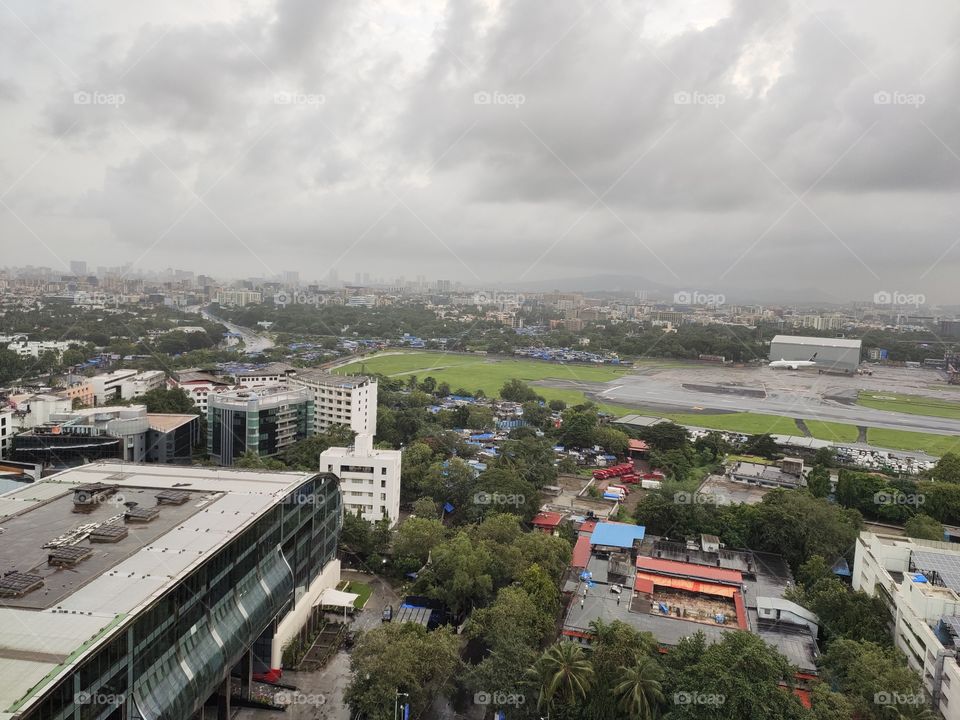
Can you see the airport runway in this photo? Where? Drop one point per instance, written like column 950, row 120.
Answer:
column 795, row 394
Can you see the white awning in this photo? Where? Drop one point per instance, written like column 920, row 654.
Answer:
column 336, row 598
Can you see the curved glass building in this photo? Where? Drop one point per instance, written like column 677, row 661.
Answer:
column 135, row 591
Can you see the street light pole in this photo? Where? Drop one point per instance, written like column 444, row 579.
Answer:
column 396, row 702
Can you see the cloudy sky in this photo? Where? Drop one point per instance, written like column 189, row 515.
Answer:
column 701, row 144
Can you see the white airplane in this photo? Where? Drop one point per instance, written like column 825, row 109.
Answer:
column 794, row 364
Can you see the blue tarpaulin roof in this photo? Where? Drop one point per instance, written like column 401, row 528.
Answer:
column 616, row 534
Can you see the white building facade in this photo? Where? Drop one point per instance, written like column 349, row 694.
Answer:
column 369, row 478
column 915, row 581
column 340, row 400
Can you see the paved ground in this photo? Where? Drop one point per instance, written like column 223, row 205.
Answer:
column 320, row 694
column 791, row 393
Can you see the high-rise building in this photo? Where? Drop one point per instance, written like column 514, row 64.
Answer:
column 919, row 584
column 78, row 267
column 148, row 586
column 369, row 477
column 349, row 400
column 262, row 421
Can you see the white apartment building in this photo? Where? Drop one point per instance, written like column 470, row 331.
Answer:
column 125, row 384
column 6, row 433
column 919, row 581
column 233, row 296
column 106, row 386
column 34, row 348
column 142, row 383
column 340, row 400
column 369, row 478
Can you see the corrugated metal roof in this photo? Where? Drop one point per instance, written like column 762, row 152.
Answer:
column 615, row 534
column 581, row 552
column 691, row 570
column 817, row 341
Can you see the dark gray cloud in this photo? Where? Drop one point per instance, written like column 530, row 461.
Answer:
column 720, row 144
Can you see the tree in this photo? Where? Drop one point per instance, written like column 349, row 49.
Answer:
column 843, row 613
column 612, row 440
column 740, row 670
column 825, row 456
column 947, row 469
column 415, row 462
column 578, row 428
column 665, row 436
column 864, row 670
column 557, row 405
column 763, row 445
column 400, row 657
column 536, row 414
column 563, row 673
column 517, row 391
column 251, row 461
column 923, row 527
column 459, row 575
column 167, row 400
column 416, row 537
column 640, row 691
column 818, row 481
column 425, row 508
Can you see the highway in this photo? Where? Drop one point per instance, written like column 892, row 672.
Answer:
column 252, row 342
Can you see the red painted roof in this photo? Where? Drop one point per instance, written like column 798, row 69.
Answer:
column 588, row 526
column 581, row 552
column 638, row 445
column 548, row 519
column 692, row 570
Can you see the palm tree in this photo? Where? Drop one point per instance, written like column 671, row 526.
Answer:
column 640, row 692
column 563, row 672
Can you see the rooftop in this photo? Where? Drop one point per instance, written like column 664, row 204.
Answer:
column 614, row 534
column 324, row 377
column 165, row 422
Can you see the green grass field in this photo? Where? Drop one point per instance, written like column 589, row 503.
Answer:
column 910, row 404
column 361, row 589
column 905, row 440
column 480, row 372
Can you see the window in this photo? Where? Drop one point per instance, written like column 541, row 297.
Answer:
column 383, row 483
column 383, row 470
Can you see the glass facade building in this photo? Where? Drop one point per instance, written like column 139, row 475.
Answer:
column 167, row 659
column 262, row 421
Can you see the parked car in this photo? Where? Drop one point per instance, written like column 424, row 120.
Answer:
column 387, row 615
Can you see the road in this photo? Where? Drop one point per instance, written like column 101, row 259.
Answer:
column 768, row 393
column 253, row 342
